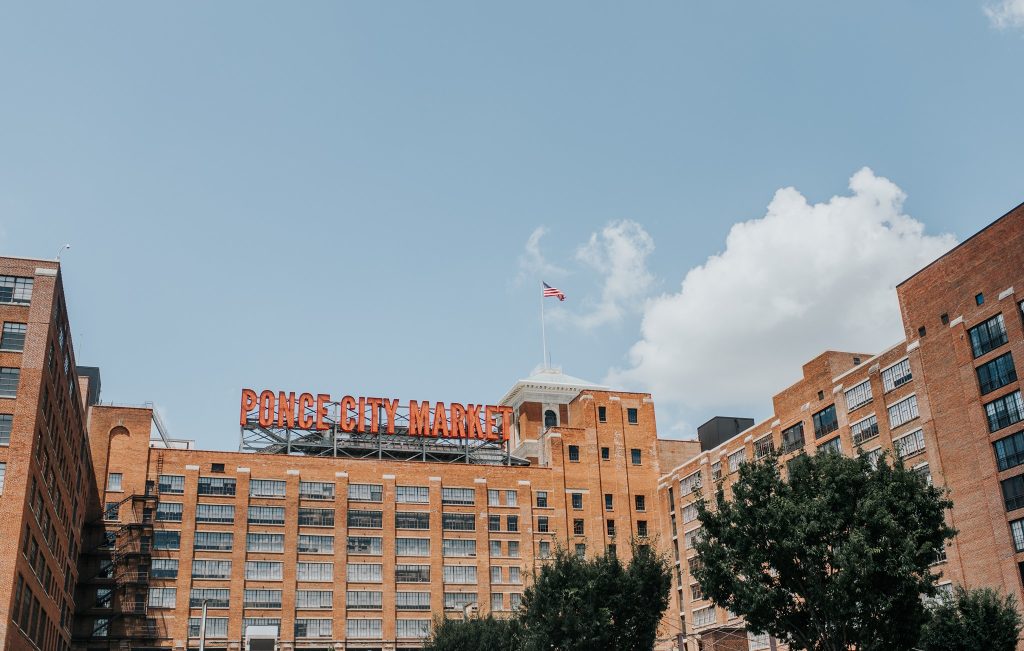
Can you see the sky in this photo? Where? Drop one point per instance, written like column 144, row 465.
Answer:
column 362, row 198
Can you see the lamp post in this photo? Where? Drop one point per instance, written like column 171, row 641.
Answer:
column 202, row 629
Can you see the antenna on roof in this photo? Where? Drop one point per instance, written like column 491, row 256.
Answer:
column 61, row 250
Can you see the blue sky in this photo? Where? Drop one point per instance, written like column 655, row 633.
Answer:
column 346, row 197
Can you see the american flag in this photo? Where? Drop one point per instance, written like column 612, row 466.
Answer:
column 553, row 291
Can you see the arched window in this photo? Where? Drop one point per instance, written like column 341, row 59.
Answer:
column 550, row 419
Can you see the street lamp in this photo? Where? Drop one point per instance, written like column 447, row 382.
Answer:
column 202, row 629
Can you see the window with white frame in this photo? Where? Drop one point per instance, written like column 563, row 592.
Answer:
column 264, row 542
column 736, row 459
column 412, row 600
column 364, row 599
column 864, row 430
column 161, row 568
column 9, row 377
column 167, row 540
column 216, row 486
column 858, row 396
column 903, row 411
column 114, row 482
column 493, row 497
column 412, row 628
column 910, row 444
column 1005, row 411
column 255, row 598
column 318, row 628
column 764, row 446
column 171, row 484
column 368, row 545
column 365, row 519
column 458, row 521
column 412, row 520
column 162, row 597
column 264, row 571
column 458, row 600
column 210, row 569
column 412, row 573
column 214, row 597
column 315, row 544
column 314, row 599
column 831, row 446
column 689, row 483
column 515, row 574
column 412, row 546
column 168, row 511
column 412, row 494
column 365, row 492
column 215, row 626
column 314, row 572
column 215, row 513
column 364, row 572
column 460, row 573
column 266, row 488
column 497, row 602
column 316, row 517
column 896, row 375
column 316, row 490
column 271, row 515
column 758, row 641
column 689, row 512
column 364, row 628
column 1017, row 532
column 458, row 547
column 16, row 289
column 690, row 538
column 458, row 496
column 704, row 616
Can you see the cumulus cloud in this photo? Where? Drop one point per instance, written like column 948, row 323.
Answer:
column 1006, row 13
column 802, row 279
column 532, row 262
column 618, row 253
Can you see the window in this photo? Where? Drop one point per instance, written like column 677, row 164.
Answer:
column 13, row 337
column 263, row 570
column 704, row 616
column 577, row 527
column 266, row 488
column 114, row 482
column 365, row 492
column 216, row 467
column 581, row 550
column 494, row 523
column 458, row 600
column 511, row 498
column 412, row 494
column 9, row 382
column 689, row 513
column 896, row 375
column 100, row 626
column 171, row 484
column 460, row 573
column 211, row 569
column 103, row 597
column 323, row 627
column 736, row 459
column 371, row 545
column 689, row 483
column 1010, row 451
column 1013, row 492
column 636, row 456
column 272, row 515
column 458, row 547
column 496, row 574
column 497, row 602
column 641, row 528
column 606, row 454
column 261, row 598
column 15, row 289
column 458, row 521
column 979, row 299
column 542, row 499
column 608, row 502
column 412, row 520
column 550, row 419
column 512, row 523
column 640, row 502
column 610, row 526
column 316, row 517
column 315, row 571
column 364, row 599
column 602, row 414
column 164, row 568
column 513, row 549
column 458, row 496
column 264, row 542
column 825, row 422
column 903, row 411
column 412, row 601
column 162, row 597
column 314, row 599
column 316, row 544
column 690, row 538
column 764, row 446
column 632, row 417
column 214, row 541
column 412, row 574
column 1004, row 411
column 414, row 628
column 1017, row 532
column 832, row 445
column 909, row 445
column 987, row 336
column 577, row 501
column 6, row 422
column 716, row 471
column 166, row 540
column 412, row 547
column 997, row 373
column 545, row 549
column 542, row 524
column 493, row 497
column 213, row 513
column 214, row 598
column 574, row 453
column 216, row 486
column 316, row 490
column 864, row 430
column 858, row 396
column 793, row 437
column 367, row 519
column 696, row 593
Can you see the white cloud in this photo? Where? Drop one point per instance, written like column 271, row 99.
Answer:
column 800, row 280
column 532, row 263
column 1006, row 13
column 619, row 254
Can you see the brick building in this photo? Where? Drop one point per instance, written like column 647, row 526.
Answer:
column 946, row 400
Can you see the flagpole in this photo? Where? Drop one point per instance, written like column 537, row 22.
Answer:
column 543, row 332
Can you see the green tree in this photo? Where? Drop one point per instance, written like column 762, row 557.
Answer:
column 475, row 633
column 973, row 619
column 835, row 558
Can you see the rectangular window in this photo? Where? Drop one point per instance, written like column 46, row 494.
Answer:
column 168, row 512
column 316, row 544
column 412, row 546
column 545, row 549
column 512, row 523
column 493, row 497
column 997, row 373
column 1013, row 492
column 609, row 502
column 858, row 396
column 577, row 501
column 266, row 488
column 314, row 599
column 412, row 494
column 214, row 598
column 316, row 490
column 602, row 414
column 1017, row 532
column 574, row 453
column 114, row 482
column 162, row 597
column 365, row 492
column 264, row 542
column 909, row 445
column 364, row 599
column 412, row 574
column 513, row 549
column 988, row 336
column 262, row 598
column 458, row 600
column 317, row 628
column 896, row 375
column 264, row 571
column 825, row 422
column 214, row 541
column 171, row 484
column 689, row 513
column 13, row 337
column 214, row 513
column 15, row 289
column 636, row 456
column 689, row 483
column 1010, row 451
column 542, row 524
column 366, row 519
column 458, row 521
column 1004, row 411
column 166, row 540
column 610, row 526
column 793, row 437
column 632, row 416
column 216, row 486
column 314, row 571
column 364, row 572
column 581, row 550
column 494, row 523
column 9, row 382
column 903, row 411
column 704, row 616
column 412, row 520
column 316, row 517
column 412, row 601
column 458, row 496
column 373, row 546
column 495, row 548
column 412, row 628
column 511, row 498
column 211, row 569
column 864, row 430
column 458, row 547
column 6, row 422
column 497, row 602
column 542, row 499
column 577, row 527
column 832, row 445
column 736, row 459
column 272, row 515
column 640, row 501
column 690, row 538
column 606, row 454
column 495, row 574
column 164, row 568
column 641, row 528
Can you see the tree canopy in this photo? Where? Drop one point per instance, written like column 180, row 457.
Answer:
column 836, row 557
column 972, row 619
